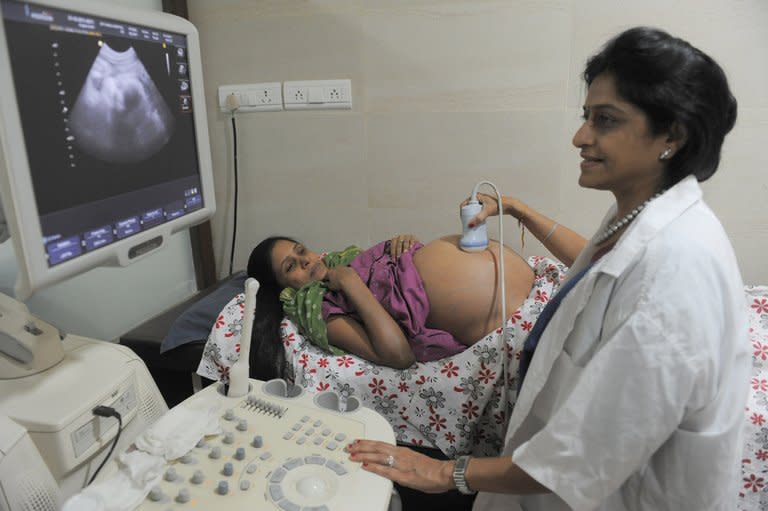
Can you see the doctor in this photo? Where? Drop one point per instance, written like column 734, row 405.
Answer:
column 638, row 378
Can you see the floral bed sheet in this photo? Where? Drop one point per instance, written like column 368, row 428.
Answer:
column 753, row 495
column 458, row 405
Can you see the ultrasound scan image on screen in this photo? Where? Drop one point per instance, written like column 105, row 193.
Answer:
column 107, row 119
column 119, row 115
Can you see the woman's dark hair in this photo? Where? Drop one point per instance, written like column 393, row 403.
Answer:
column 678, row 87
column 267, row 358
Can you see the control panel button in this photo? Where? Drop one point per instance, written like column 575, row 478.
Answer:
column 278, row 475
column 276, row 492
column 155, row 494
column 336, row 467
column 287, row 505
column 293, row 463
column 183, row 496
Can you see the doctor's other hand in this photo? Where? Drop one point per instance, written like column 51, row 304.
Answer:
column 403, row 466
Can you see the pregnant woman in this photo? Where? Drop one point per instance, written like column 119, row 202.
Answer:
column 396, row 303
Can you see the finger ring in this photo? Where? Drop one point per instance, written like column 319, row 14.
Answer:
column 390, row 461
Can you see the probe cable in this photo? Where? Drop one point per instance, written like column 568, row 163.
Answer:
column 502, row 283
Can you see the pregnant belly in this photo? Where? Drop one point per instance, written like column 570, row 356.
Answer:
column 462, row 287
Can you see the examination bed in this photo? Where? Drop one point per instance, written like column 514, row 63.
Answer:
column 455, row 405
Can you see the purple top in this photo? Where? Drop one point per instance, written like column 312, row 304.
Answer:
column 397, row 285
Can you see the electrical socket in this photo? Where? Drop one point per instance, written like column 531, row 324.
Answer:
column 254, row 97
column 333, row 94
column 318, row 94
column 296, row 94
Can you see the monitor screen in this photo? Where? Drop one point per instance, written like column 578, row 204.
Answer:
column 111, row 120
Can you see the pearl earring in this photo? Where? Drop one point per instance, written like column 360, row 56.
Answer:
column 666, row 154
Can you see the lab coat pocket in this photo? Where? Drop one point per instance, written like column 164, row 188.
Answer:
column 562, row 378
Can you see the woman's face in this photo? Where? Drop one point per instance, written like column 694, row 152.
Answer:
column 295, row 265
column 618, row 151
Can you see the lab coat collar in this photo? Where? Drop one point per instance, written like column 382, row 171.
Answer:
column 659, row 213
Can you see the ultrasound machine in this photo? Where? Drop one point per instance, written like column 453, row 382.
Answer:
column 104, row 154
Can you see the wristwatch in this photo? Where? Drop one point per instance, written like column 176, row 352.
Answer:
column 458, row 475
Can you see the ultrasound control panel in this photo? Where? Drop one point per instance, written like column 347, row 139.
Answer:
column 281, row 448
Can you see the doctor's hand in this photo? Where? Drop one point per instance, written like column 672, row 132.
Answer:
column 401, row 243
column 510, row 206
column 403, row 465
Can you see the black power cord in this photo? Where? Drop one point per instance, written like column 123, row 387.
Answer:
column 106, row 411
column 234, row 207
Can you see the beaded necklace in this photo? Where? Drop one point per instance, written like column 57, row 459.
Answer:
column 622, row 222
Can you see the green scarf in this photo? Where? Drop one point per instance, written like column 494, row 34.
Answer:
column 302, row 307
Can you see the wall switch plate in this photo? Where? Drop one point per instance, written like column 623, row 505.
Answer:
column 252, row 97
column 318, row 94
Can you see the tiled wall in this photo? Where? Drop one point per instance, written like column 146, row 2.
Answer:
column 447, row 93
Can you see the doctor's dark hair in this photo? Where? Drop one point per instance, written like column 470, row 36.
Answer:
column 267, row 358
column 677, row 86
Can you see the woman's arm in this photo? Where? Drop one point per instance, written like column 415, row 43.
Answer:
column 379, row 339
column 415, row 470
column 561, row 241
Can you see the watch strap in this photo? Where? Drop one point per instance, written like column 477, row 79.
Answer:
column 459, row 479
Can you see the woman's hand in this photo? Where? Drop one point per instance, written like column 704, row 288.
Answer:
column 338, row 277
column 403, row 465
column 401, row 243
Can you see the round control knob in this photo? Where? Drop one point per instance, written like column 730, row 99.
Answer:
column 222, row 488
column 251, row 468
column 229, row 414
column 242, row 425
column 215, row 453
column 198, row 477
column 240, row 453
column 183, row 496
column 227, row 469
column 229, row 438
column 170, row 474
column 257, row 441
column 155, row 494
column 245, row 484
column 186, row 459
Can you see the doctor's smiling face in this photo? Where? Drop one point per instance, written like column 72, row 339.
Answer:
column 295, row 265
column 619, row 152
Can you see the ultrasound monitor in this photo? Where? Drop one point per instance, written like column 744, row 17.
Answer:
column 105, row 154
column 104, row 135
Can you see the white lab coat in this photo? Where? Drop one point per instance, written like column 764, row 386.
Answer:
column 634, row 397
